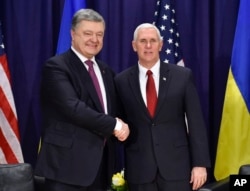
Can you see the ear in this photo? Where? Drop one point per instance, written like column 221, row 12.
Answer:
column 161, row 45
column 72, row 34
column 134, row 46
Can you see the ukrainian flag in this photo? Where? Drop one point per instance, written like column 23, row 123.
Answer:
column 233, row 149
column 70, row 7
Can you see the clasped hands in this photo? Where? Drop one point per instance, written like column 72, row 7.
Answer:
column 123, row 133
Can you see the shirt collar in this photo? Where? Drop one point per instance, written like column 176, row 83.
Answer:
column 155, row 69
column 81, row 57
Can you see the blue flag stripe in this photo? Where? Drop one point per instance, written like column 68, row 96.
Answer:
column 64, row 39
column 241, row 52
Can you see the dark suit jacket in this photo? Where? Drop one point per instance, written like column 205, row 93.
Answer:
column 74, row 126
column 163, row 142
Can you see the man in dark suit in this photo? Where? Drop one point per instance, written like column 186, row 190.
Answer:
column 79, row 113
column 162, row 153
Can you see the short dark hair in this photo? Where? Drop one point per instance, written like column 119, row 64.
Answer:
column 86, row 15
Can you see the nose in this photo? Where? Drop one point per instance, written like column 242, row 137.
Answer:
column 148, row 44
column 94, row 37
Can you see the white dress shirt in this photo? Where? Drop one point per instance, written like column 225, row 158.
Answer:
column 98, row 75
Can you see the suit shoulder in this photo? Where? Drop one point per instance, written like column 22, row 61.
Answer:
column 105, row 67
column 127, row 72
column 178, row 68
column 103, row 64
column 59, row 58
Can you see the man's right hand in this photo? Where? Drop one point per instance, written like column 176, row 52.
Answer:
column 123, row 133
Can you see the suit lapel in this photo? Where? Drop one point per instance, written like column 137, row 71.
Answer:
column 86, row 79
column 164, row 80
column 135, row 87
column 106, row 82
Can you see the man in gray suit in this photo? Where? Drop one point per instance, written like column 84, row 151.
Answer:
column 79, row 113
column 161, row 152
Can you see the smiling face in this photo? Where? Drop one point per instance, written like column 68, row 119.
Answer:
column 87, row 38
column 147, row 45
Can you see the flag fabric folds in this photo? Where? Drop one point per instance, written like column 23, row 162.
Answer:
column 166, row 22
column 10, row 148
column 70, row 7
column 233, row 149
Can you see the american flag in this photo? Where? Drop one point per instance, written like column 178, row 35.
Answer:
column 10, row 149
column 166, row 23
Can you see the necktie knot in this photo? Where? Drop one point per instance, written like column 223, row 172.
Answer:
column 149, row 72
column 89, row 63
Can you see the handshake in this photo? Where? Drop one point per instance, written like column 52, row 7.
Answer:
column 123, row 132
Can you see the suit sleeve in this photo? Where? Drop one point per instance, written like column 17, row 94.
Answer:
column 65, row 93
column 196, row 126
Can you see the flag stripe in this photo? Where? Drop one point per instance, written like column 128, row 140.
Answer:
column 7, row 154
column 9, row 131
column 8, row 114
column 2, row 156
column 70, row 7
column 10, row 151
column 5, row 84
column 4, row 66
column 234, row 138
column 241, row 55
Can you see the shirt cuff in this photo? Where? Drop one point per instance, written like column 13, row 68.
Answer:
column 118, row 125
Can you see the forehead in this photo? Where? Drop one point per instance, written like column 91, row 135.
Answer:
column 90, row 26
column 147, row 33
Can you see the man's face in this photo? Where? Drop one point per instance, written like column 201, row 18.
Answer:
column 147, row 45
column 87, row 38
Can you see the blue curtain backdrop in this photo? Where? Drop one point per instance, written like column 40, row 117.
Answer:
column 31, row 31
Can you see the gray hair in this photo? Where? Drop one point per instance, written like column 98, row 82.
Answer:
column 86, row 15
column 146, row 25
